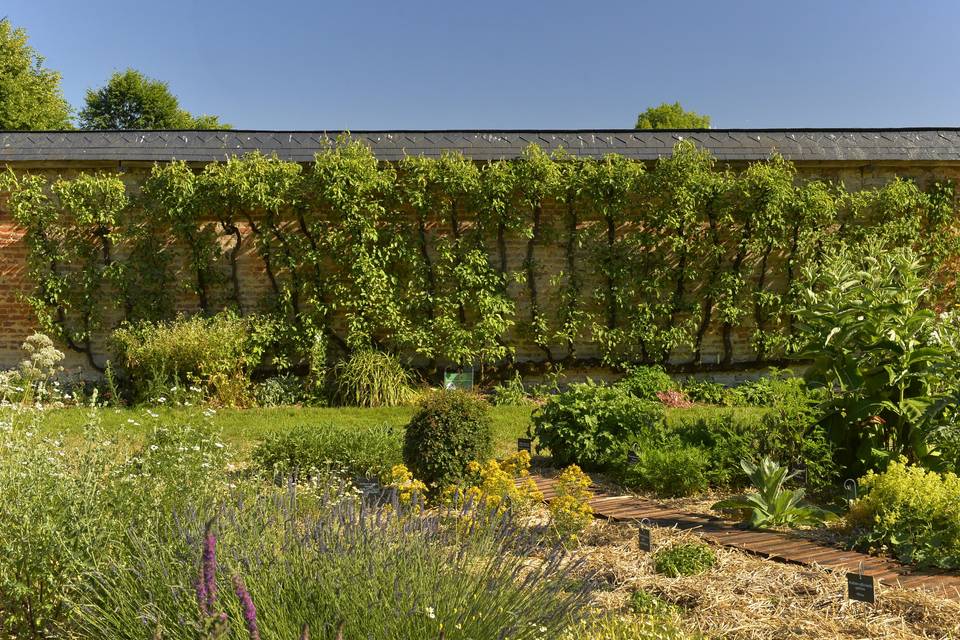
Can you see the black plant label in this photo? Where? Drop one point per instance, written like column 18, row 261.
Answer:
column 861, row 588
column 646, row 539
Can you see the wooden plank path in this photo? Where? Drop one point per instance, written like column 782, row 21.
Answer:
column 783, row 547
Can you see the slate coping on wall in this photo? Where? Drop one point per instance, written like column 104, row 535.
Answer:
column 799, row 145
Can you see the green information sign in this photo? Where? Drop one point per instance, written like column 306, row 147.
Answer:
column 458, row 379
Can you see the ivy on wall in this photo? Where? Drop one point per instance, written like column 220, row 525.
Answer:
column 416, row 257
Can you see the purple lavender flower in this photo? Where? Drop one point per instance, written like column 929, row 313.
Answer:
column 209, row 576
column 246, row 604
column 202, row 596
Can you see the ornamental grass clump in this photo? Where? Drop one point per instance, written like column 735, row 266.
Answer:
column 283, row 564
column 371, row 378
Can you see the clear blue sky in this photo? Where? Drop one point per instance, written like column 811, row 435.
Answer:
column 281, row 64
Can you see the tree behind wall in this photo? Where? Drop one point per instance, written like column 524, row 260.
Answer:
column 671, row 116
column 30, row 95
column 131, row 100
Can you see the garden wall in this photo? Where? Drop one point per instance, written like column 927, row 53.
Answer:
column 553, row 252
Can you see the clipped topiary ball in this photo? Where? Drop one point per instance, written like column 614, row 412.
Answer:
column 449, row 430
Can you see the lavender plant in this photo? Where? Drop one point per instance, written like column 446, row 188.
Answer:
column 327, row 562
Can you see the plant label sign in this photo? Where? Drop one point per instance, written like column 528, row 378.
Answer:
column 458, row 380
column 633, row 457
column 860, row 587
column 524, row 444
column 646, row 539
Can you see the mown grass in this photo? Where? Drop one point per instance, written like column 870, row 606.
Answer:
column 244, row 428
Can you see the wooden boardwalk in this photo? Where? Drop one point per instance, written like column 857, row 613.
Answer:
column 783, row 547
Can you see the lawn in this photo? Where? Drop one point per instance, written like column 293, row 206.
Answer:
column 243, row 428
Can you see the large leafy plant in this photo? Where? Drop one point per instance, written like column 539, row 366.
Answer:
column 886, row 359
column 773, row 505
column 594, row 426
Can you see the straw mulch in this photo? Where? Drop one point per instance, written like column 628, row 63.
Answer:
column 746, row 596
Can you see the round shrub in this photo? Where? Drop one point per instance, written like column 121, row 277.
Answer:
column 593, row 426
column 370, row 378
column 646, row 382
column 684, row 559
column 449, row 430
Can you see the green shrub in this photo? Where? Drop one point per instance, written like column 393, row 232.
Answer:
column 215, row 354
column 685, row 559
column 723, row 437
column 670, row 471
column 912, row 512
column 305, row 450
column 787, row 432
column 792, row 435
column 594, row 426
column 283, row 390
column 948, row 443
column 705, row 391
column 370, row 378
column 646, row 382
column 449, row 430
column 752, row 393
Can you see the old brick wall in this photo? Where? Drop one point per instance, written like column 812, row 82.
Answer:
column 16, row 320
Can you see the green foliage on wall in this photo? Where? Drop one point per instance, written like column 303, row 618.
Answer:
column 444, row 259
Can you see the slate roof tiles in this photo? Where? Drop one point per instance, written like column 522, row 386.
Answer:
column 725, row 144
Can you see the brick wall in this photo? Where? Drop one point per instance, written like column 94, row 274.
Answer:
column 16, row 321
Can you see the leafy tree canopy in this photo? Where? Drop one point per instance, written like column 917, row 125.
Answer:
column 671, row 116
column 30, row 95
column 131, row 100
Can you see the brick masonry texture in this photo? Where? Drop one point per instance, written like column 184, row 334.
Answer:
column 17, row 321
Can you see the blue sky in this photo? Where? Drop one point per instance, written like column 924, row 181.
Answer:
column 502, row 64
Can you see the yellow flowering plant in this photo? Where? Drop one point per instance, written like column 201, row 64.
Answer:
column 498, row 485
column 403, row 482
column 570, row 512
